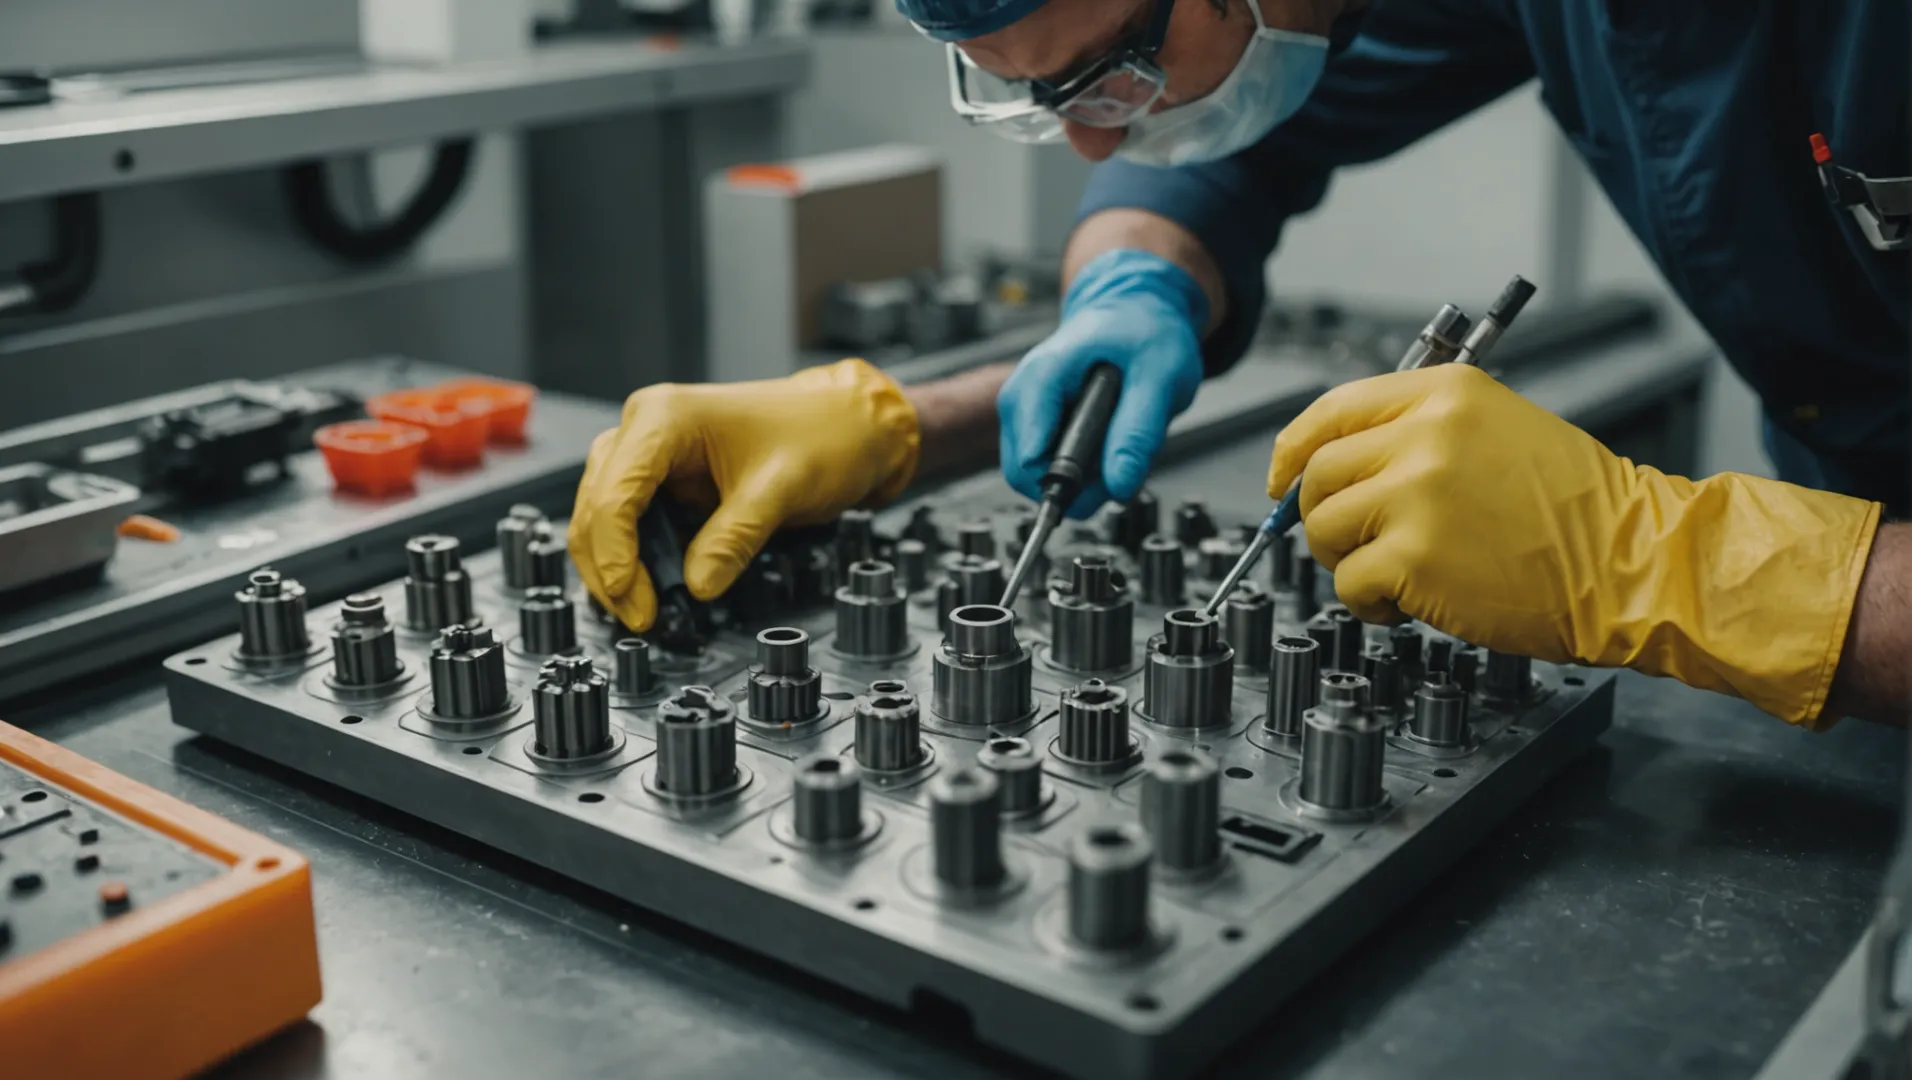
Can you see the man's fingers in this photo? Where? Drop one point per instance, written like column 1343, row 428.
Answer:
column 1136, row 430
column 637, row 607
column 1343, row 463
column 1351, row 407
column 1370, row 581
column 740, row 527
column 1345, row 521
column 1031, row 404
column 577, row 533
column 622, row 491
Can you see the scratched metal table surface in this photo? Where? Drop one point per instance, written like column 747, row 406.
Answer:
column 1666, row 908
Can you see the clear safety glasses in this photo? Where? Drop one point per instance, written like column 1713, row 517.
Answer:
column 1110, row 92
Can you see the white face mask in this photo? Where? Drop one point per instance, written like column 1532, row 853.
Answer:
column 1275, row 74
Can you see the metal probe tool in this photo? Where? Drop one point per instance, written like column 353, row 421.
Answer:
column 1447, row 324
column 1078, row 454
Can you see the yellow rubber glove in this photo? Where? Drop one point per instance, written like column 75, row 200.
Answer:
column 799, row 450
column 1442, row 495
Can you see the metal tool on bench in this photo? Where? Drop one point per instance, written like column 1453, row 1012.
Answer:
column 1077, row 456
column 1436, row 345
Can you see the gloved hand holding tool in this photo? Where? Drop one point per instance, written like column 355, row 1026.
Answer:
column 799, row 450
column 1142, row 315
column 1444, row 496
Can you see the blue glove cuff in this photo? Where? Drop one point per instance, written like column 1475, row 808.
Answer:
column 1132, row 271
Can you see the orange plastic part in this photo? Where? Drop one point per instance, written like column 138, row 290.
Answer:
column 456, row 428
column 171, row 989
column 141, row 527
column 510, row 403
column 780, row 177
column 374, row 458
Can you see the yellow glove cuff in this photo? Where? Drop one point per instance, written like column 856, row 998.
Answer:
column 1743, row 586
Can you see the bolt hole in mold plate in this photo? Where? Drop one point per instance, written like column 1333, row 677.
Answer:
column 1226, row 944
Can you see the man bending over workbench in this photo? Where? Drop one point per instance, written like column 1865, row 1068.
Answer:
column 1718, row 130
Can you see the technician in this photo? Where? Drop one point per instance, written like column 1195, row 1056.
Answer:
column 1437, row 494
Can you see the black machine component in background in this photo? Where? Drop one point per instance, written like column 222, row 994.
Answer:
column 220, row 449
column 212, row 450
column 59, row 281
column 318, row 216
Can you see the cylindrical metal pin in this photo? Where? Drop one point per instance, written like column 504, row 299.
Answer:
column 1383, row 674
column 468, row 673
column 1181, row 807
column 1162, row 571
column 571, row 710
column 855, row 539
column 514, row 542
column 976, row 539
column 546, row 557
column 1093, row 728
column 272, row 617
column 1193, row 523
column 1404, row 642
column 1216, row 556
column 437, row 589
column 827, row 802
column 1109, row 886
column 966, row 828
column 980, row 674
column 696, row 743
column 1248, row 624
column 1135, row 521
column 782, row 687
column 1350, row 640
column 1018, row 772
column 888, row 728
column 1440, row 712
column 871, row 612
column 912, row 561
column 1463, row 669
column 1508, row 679
column 1091, row 618
column 547, row 623
column 1292, row 685
column 364, row 646
column 1189, row 673
column 635, row 676
column 1281, row 563
column 1307, row 601
column 1342, row 747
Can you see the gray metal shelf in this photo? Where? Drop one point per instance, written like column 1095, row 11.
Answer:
column 87, row 145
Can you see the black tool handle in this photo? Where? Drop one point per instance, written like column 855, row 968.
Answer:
column 1079, row 449
column 1512, row 299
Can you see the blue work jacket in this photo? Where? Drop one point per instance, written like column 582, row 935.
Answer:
column 1696, row 117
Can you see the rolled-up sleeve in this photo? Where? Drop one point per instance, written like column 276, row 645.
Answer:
column 1414, row 67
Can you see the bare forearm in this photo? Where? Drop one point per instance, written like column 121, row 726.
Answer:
column 1145, row 231
column 1874, row 680
column 956, row 419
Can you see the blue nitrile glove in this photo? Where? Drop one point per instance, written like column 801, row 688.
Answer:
column 1133, row 309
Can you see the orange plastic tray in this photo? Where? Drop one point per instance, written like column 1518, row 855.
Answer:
column 456, row 427
column 371, row 457
column 510, row 403
column 166, row 990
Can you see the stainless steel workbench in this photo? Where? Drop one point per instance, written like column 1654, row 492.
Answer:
column 1667, row 907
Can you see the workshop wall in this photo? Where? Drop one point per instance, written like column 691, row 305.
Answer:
column 209, row 278
column 95, row 35
column 888, row 84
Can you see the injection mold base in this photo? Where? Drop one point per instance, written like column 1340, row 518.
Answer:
column 1124, row 917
